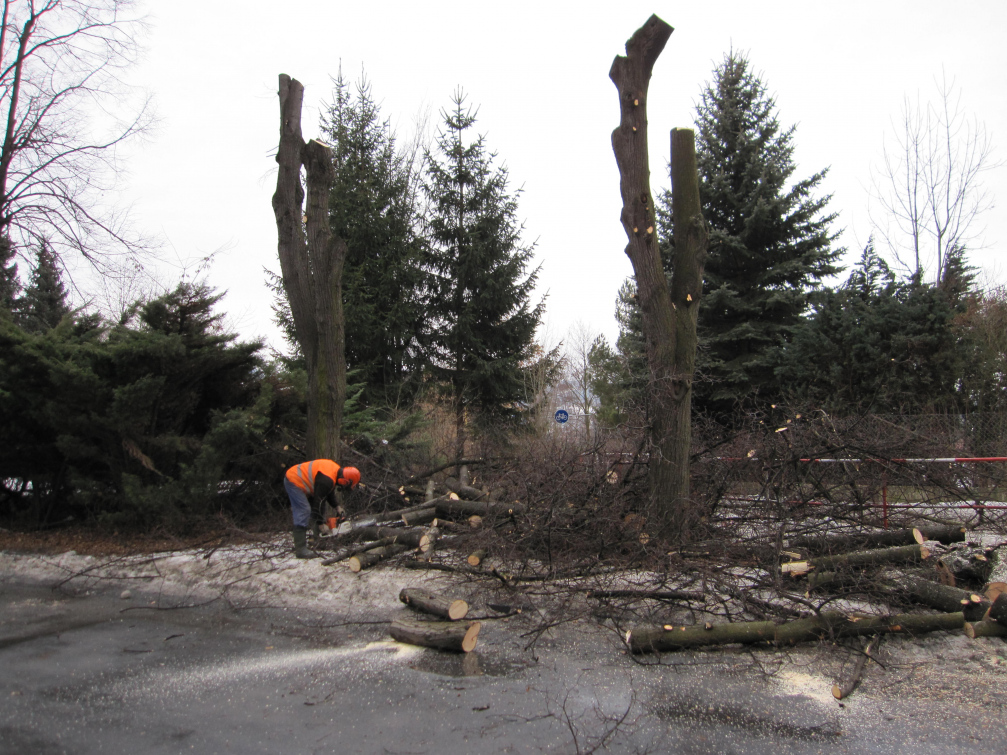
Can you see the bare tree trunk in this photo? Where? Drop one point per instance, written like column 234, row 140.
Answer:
column 311, row 260
column 669, row 317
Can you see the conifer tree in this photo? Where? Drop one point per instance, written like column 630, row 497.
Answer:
column 481, row 318
column 770, row 241
column 372, row 208
column 44, row 302
column 879, row 344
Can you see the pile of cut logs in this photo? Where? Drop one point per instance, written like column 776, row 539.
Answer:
column 932, row 566
column 367, row 540
column 448, row 634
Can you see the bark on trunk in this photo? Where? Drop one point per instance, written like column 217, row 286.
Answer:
column 353, row 550
column 845, row 689
column 413, row 536
column 985, row 628
column 436, row 605
column 902, row 554
column 941, row 597
column 449, row 508
column 470, row 493
column 423, row 516
column 446, row 635
column 825, row 625
column 668, row 326
column 998, row 611
column 368, row 558
column 311, row 262
column 880, row 539
column 970, row 563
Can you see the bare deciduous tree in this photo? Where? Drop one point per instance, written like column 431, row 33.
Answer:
column 577, row 372
column 929, row 187
column 62, row 99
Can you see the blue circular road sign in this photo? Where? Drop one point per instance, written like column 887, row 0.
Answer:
column 562, row 416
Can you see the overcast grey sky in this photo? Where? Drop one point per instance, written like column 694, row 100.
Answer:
column 539, row 73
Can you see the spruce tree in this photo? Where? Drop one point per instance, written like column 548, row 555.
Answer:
column 372, row 208
column 770, row 241
column 619, row 376
column 481, row 318
column 44, row 302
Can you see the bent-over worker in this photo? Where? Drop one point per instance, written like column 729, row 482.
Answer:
column 318, row 481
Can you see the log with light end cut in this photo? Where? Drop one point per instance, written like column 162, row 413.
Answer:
column 845, row 688
column 936, row 595
column 985, row 628
column 476, row 557
column 880, row 538
column 436, row 605
column 367, row 559
column 423, row 516
column 900, row 555
column 825, row 625
column 484, row 509
column 353, row 550
column 445, row 635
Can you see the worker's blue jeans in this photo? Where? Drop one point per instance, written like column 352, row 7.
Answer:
column 299, row 505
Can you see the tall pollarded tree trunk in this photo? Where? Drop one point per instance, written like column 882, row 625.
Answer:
column 668, row 317
column 311, row 261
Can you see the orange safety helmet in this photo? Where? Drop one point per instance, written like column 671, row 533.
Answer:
column 348, row 477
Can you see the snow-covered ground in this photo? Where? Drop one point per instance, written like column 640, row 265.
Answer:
column 244, row 575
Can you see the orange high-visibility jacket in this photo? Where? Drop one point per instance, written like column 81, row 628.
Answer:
column 303, row 475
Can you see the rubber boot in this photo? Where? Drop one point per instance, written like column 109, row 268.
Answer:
column 301, row 549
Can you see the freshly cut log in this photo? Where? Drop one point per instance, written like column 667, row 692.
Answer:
column 880, row 539
column 367, row 559
column 353, row 550
column 423, row 516
column 828, row 624
column 900, row 555
column 449, row 508
column 941, row 597
column 415, row 537
column 845, row 689
column 462, row 489
column 476, row 557
column 998, row 611
column 985, row 628
column 445, row 635
column 475, row 521
column 437, row 605
column 947, row 534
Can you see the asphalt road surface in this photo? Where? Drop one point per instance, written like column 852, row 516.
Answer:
column 94, row 673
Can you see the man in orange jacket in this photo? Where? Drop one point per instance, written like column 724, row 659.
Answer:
column 318, row 480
